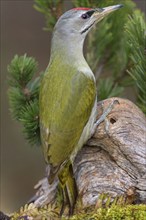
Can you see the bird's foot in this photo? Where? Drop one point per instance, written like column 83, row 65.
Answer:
column 67, row 206
column 65, row 202
column 103, row 117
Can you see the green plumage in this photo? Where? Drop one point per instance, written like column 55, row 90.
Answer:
column 66, row 101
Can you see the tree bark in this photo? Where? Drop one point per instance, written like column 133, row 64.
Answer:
column 112, row 161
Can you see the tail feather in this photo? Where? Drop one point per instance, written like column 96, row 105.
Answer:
column 69, row 187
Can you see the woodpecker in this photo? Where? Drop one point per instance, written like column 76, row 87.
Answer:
column 67, row 100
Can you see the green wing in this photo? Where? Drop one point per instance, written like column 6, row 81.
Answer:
column 66, row 101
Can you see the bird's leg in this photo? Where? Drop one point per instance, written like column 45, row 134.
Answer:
column 103, row 117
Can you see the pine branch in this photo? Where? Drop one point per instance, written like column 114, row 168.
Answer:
column 23, row 95
column 136, row 38
column 29, row 117
column 21, row 69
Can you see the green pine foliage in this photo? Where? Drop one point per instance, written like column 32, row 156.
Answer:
column 29, row 117
column 23, row 95
column 107, row 88
column 21, row 70
column 136, row 34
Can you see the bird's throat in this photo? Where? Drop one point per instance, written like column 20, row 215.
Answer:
column 70, row 50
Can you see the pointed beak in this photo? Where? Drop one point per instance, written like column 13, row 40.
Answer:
column 97, row 15
column 103, row 12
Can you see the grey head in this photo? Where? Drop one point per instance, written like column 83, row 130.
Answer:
column 79, row 21
column 72, row 28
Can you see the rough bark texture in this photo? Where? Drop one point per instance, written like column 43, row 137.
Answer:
column 112, row 161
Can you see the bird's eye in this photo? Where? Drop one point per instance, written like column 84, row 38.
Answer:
column 85, row 16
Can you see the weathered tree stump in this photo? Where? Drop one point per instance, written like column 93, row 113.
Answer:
column 113, row 162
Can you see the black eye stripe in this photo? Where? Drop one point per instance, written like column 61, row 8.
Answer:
column 87, row 14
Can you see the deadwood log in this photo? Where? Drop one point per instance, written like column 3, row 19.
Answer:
column 112, row 162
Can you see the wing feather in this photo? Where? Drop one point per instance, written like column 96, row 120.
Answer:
column 66, row 102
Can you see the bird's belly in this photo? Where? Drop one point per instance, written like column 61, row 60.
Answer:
column 86, row 134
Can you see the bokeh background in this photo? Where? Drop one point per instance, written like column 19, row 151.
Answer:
column 21, row 165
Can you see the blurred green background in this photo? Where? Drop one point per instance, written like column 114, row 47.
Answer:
column 21, row 166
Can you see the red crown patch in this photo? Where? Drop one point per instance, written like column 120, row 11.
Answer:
column 84, row 9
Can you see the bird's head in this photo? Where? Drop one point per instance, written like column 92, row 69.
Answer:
column 78, row 21
column 72, row 28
